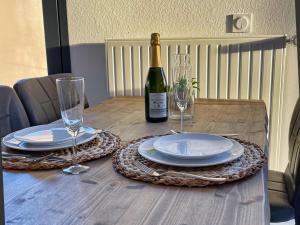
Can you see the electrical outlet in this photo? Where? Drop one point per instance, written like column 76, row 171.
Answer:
column 241, row 23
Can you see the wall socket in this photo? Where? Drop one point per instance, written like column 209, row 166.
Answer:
column 241, row 23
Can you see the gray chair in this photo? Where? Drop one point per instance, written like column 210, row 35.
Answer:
column 12, row 117
column 40, row 99
column 12, row 114
column 284, row 188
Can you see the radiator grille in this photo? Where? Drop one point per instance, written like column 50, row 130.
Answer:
column 226, row 68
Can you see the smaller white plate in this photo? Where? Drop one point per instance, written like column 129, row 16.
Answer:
column 11, row 142
column 192, row 145
column 43, row 135
column 147, row 150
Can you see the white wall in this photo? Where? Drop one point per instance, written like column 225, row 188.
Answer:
column 92, row 21
column 22, row 40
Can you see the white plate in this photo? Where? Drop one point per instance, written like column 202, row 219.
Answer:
column 147, row 150
column 11, row 142
column 44, row 135
column 192, row 145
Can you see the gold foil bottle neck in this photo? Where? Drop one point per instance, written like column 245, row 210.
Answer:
column 155, row 39
column 155, row 48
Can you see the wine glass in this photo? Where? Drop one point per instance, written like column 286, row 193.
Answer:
column 182, row 93
column 182, row 85
column 71, row 100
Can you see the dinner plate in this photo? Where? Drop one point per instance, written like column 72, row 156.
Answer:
column 192, row 145
column 11, row 142
column 44, row 135
column 147, row 150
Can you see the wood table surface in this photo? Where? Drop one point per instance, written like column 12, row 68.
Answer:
column 101, row 196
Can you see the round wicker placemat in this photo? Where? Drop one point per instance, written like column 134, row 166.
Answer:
column 248, row 164
column 104, row 144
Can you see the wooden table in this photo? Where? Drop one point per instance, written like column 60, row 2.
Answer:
column 103, row 197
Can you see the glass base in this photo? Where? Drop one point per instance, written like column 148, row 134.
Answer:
column 75, row 169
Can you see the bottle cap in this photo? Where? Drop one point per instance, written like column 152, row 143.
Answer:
column 155, row 39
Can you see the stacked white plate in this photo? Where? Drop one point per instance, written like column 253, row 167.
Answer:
column 46, row 138
column 191, row 150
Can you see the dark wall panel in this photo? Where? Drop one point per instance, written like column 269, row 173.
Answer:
column 56, row 36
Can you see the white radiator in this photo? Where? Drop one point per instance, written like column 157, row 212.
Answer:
column 226, row 68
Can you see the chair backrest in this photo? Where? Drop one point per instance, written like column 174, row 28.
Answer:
column 12, row 117
column 292, row 172
column 12, row 114
column 40, row 99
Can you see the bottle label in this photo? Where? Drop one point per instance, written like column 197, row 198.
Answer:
column 158, row 105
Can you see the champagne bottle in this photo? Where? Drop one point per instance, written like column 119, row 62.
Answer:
column 156, row 98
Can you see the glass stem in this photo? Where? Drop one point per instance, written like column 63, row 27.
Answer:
column 181, row 121
column 74, row 160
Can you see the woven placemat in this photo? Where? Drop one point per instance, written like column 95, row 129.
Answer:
column 104, row 144
column 248, row 164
